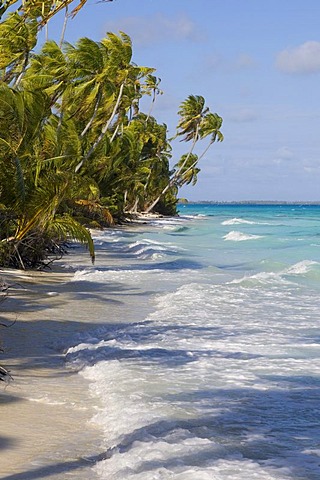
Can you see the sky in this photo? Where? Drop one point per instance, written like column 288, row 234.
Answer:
column 257, row 64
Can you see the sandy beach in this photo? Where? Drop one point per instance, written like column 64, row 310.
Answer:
column 45, row 403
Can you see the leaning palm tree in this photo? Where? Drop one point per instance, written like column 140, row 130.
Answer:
column 188, row 170
column 34, row 161
column 192, row 110
column 49, row 72
column 210, row 125
column 123, row 77
column 152, row 88
column 42, row 10
column 192, row 113
column 17, row 39
column 92, row 85
column 196, row 123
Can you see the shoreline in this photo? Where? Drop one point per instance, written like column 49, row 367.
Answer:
column 41, row 305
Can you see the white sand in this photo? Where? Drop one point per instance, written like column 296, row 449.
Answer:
column 45, row 411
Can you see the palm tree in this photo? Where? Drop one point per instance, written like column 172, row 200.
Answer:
column 92, row 86
column 196, row 123
column 188, row 170
column 149, row 160
column 124, row 79
column 152, row 88
column 36, row 180
column 192, row 112
column 49, row 72
column 210, row 125
column 42, row 10
column 17, row 39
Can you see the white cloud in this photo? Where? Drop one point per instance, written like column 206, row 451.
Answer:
column 242, row 114
column 244, row 62
column 284, row 153
column 214, row 62
column 303, row 59
column 230, row 65
column 157, row 28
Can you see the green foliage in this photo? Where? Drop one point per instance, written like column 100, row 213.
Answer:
column 188, row 171
column 75, row 150
column 191, row 114
column 17, row 39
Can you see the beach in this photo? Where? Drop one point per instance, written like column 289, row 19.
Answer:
column 45, row 403
column 189, row 351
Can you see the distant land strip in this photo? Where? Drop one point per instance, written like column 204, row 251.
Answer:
column 247, row 202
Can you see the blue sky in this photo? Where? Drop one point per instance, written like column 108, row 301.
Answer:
column 257, row 63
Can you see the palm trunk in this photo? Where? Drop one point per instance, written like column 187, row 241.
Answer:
column 151, row 107
column 154, row 203
column 64, row 27
column 198, row 159
column 84, row 131
column 134, row 209
column 114, row 133
column 24, row 68
column 125, row 196
column 176, row 175
column 103, row 131
column 206, row 149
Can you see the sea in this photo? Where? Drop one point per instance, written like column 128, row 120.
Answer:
column 210, row 370
column 198, row 355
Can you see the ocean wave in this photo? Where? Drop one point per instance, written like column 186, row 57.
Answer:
column 237, row 221
column 303, row 269
column 196, row 216
column 150, row 249
column 242, row 221
column 103, row 276
column 262, row 278
column 235, row 236
column 176, row 229
column 145, row 250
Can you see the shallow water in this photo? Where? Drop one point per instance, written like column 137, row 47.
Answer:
column 215, row 372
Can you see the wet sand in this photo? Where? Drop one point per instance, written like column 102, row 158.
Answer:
column 46, row 409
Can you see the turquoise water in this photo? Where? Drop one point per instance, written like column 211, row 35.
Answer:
column 211, row 371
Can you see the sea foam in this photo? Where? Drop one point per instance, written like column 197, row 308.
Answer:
column 235, row 236
column 237, row 221
column 301, row 268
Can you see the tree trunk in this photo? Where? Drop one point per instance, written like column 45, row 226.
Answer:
column 173, row 180
column 103, row 131
column 64, row 27
column 86, row 128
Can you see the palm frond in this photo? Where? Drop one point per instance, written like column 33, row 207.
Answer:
column 66, row 228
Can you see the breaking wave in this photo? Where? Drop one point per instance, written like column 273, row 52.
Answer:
column 235, row 236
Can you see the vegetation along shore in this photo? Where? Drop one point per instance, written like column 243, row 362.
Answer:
column 76, row 150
